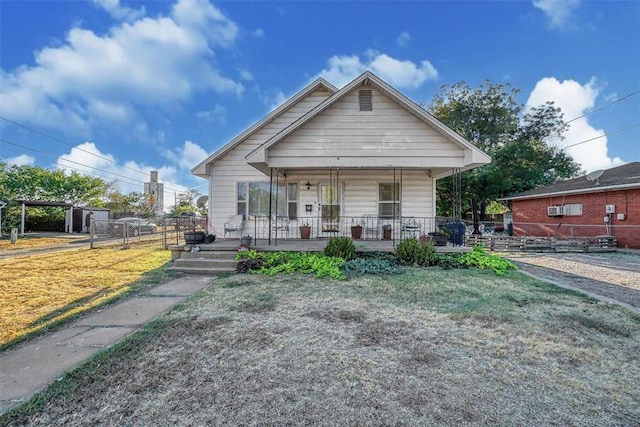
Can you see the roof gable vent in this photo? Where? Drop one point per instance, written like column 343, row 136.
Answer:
column 365, row 100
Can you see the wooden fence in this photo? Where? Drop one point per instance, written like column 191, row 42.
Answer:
column 544, row 244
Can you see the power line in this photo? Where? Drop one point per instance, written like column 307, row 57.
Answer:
column 601, row 136
column 605, row 106
column 83, row 165
column 76, row 147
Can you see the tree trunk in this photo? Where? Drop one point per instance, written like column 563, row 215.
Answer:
column 474, row 213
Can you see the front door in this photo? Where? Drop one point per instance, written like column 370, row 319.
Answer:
column 330, row 196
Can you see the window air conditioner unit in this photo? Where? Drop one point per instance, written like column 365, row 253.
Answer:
column 555, row 210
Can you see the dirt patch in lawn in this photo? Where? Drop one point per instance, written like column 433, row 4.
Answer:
column 417, row 349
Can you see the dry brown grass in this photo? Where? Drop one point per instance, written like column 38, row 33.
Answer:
column 39, row 290
column 426, row 348
column 38, row 242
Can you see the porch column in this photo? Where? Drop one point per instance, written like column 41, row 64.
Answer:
column 270, row 198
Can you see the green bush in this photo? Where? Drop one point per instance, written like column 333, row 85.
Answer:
column 450, row 261
column 341, row 247
column 413, row 252
column 361, row 266
column 271, row 263
column 481, row 259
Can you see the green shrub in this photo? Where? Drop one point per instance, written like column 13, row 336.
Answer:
column 271, row 263
column 481, row 259
column 450, row 261
column 413, row 252
column 361, row 266
column 341, row 247
column 246, row 265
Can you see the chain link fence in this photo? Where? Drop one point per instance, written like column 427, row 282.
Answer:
column 130, row 230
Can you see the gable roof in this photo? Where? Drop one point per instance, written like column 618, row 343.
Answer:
column 201, row 168
column 619, row 178
column 477, row 157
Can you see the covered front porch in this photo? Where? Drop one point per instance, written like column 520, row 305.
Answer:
column 366, row 204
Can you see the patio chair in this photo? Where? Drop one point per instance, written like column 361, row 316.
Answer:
column 233, row 224
column 411, row 227
column 281, row 226
column 371, row 226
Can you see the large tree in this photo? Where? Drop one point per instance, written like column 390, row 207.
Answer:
column 39, row 184
column 520, row 143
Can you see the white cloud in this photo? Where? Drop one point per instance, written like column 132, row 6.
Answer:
column 155, row 62
column 21, row 160
column 403, row 39
column 559, row 12
column 274, row 100
column 576, row 99
column 215, row 115
column 119, row 12
column 398, row 73
column 131, row 176
column 187, row 156
column 246, row 75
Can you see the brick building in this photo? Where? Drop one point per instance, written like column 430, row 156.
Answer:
column 601, row 203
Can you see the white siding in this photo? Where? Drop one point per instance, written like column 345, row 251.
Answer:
column 233, row 168
column 388, row 131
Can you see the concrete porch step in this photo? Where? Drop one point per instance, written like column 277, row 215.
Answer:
column 226, row 255
column 205, row 262
column 202, row 270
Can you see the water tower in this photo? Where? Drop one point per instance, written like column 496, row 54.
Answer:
column 155, row 191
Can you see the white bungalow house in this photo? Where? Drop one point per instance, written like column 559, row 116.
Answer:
column 331, row 158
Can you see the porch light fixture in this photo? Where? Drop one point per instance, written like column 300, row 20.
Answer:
column 308, row 185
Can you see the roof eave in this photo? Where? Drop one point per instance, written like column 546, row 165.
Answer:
column 201, row 168
column 576, row 191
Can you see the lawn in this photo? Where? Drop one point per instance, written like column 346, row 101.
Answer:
column 428, row 347
column 36, row 242
column 41, row 290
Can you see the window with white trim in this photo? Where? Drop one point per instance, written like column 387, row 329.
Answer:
column 253, row 199
column 389, row 200
column 292, row 200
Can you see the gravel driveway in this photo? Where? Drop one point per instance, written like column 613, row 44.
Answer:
column 612, row 276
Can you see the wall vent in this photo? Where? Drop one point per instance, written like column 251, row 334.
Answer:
column 365, row 99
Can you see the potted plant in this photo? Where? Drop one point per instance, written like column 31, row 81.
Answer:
column 305, row 231
column 386, row 232
column 440, row 238
column 193, row 237
column 245, row 241
column 356, row 230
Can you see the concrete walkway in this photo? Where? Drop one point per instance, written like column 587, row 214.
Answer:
column 31, row 366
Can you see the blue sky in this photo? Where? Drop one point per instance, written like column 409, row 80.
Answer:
column 127, row 87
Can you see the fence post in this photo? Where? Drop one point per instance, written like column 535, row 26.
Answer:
column 164, row 234
column 125, row 241
column 92, row 228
